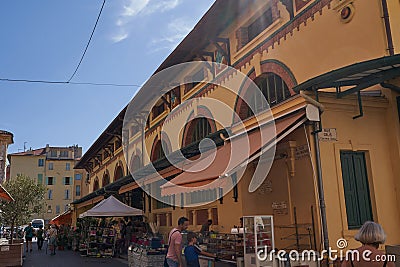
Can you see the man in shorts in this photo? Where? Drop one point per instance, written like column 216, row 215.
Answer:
column 28, row 236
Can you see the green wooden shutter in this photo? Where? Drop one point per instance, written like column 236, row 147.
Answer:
column 63, row 180
column 40, row 178
column 364, row 201
column 47, row 180
column 356, row 189
column 54, row 180
column 350, row 191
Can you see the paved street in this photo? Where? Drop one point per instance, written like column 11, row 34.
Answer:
column 67, row 258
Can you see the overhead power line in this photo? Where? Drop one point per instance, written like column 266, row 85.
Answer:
column 77, row 67
column 87, row 45
column 64, row 82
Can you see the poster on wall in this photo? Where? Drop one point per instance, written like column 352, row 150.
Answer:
column 300, row 4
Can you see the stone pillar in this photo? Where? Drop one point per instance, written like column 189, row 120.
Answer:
column 6, row 138
column 194, row 218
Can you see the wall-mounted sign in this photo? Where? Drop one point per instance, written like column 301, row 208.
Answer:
column 280, row 208
column 328, row 134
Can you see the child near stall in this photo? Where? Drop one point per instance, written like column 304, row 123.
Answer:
column 192, row 251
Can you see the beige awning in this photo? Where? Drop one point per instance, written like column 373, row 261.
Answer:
column 230, row 156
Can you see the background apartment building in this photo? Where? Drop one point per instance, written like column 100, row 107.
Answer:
column 54, row 168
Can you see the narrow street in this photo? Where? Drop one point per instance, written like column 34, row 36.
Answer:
column 67, row 258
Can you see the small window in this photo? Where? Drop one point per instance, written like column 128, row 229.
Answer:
column 78, row 191
column 67, row 166
column 67, row 180
column 53, row 153
column 50, row 194
column 57, row 209
column 49, row 210
column 40, row 178
column 66, row 194
column 41, row 162
column 64, row 154
column 50, row 181
column 51, row 167
column 78, row 177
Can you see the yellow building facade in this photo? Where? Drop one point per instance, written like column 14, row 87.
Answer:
column 333, row 169
column 52, row 167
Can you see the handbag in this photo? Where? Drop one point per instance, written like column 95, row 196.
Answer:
column 169, row 243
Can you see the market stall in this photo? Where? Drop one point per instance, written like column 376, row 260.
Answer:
column 101, row 236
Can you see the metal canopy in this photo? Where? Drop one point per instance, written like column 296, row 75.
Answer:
column 357, row 76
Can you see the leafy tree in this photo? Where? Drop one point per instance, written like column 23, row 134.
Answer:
column 29, row 200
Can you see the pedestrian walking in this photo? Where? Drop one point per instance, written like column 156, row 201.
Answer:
column 371, row 235
column 174, row 257
column 53, row 239
column 40, row 237
column 28, row 236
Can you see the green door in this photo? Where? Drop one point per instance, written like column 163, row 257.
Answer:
column 356, row 189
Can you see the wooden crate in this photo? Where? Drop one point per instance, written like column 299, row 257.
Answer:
column 11, row 255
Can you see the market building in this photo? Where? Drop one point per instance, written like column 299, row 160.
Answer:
column 52, row 167
column 330, row 71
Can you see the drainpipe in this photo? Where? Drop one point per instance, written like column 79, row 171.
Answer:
column 322, row 206
column 387, row 27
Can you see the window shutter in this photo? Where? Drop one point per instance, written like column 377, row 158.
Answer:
column 47, row 180
column 364, row 201
column 350, row 191
column 64, row 180
column 54, row 180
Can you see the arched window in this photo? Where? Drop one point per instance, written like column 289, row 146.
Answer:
column 160, row 149
column 119, row 172
column 135, row 163
column 197, row 129
column 273, row 88
column 106, row 179
column 96, row 185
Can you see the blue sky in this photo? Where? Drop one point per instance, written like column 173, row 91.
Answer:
column 45, row 39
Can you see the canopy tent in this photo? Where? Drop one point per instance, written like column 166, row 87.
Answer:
column 111, row 207
column 4, row 195
column 63, row 218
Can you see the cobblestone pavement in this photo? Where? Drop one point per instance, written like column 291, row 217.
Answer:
column 67, row 258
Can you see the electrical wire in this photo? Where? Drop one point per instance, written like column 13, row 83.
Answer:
column 87, row 45
column 77, row 67
column 74, row 83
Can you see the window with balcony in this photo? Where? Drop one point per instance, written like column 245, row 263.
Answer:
column 64, row 154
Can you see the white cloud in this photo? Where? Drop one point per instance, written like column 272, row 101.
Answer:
column 176, row 31
column 133, row 8
column 119, row 37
